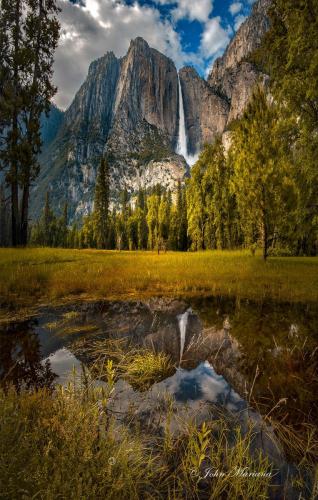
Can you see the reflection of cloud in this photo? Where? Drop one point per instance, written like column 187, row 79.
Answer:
column 62, row 363
column 204, row 384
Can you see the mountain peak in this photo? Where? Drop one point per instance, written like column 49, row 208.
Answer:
column 189, row 70
column 138, row 43
column 101, row 61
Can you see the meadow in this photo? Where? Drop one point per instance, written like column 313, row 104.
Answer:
column 35, row 276
column 65, row 442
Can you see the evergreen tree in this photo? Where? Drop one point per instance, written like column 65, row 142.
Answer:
column 173, row 229
column 289, row 54
column 196, row 212
column 112, row 230
column 4, row 218
column 47, row 221
column 41, row 38
column 64, row 226
column 262, row 179
column 182, row 218
column 29, row 32
column 153, row 202
column 101, row 204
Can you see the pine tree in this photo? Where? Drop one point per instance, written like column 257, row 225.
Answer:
column 4, row 217
column 101, row 204
column 289, row 55
column 153, row 202
column 182, row 218
column 64, row 226
column 29, row 32
column 47, row 222
column 41, row 37
column 262, row 179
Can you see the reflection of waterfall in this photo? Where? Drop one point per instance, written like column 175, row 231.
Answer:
column 183, row 323
column 182, row 144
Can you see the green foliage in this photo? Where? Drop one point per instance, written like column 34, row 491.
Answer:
column 51, row 230
column 65, row 444
column 29, row 32
column 101, row 205
column 212, row 212
column 262, row 174
column 289, row 54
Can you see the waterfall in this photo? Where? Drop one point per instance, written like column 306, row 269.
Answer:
column 182, row 148
column 182, row 145
column 183, row 323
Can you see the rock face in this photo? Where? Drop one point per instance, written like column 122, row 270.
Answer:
column 231, row 75
column 128, row 109
column 206, row 113
column 50, row 124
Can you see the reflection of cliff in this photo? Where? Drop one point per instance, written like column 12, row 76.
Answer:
column 269, row 346
column 20, row 359
column 272, row 350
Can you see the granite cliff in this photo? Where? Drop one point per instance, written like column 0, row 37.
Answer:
column 129, row 109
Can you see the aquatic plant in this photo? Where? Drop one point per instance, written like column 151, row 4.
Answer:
column 139, row 366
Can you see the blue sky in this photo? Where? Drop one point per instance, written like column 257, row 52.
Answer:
column 191, row 32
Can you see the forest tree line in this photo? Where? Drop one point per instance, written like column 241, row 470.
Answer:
column 262, row 191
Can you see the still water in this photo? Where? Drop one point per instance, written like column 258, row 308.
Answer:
column 244, row 359
column 225, row 351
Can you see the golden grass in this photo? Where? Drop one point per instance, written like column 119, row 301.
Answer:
column 139, row 366
column 44, row 275
column 63, row 445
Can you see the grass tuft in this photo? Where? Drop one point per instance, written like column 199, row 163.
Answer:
column 138, row 366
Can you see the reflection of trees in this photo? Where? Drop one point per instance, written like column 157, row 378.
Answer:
column 20, row 359
column 287, row 366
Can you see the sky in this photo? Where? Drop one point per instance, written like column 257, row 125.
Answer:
column 190, row 32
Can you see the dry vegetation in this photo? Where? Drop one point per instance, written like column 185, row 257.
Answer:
column 29, row 277
column 63, row 445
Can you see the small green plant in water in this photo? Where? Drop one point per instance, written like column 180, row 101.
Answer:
column 147, row 368
column 139, row 367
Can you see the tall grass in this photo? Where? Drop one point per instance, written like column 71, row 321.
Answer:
column 63, row 445
column 139, row 366
column 32, row 276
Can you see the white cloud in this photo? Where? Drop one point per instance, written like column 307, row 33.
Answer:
column 214, row 38
column 194, row 10
column 238, row 21
column 101, row 26
column 235, row 8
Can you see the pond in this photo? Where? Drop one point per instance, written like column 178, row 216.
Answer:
column 254, row 361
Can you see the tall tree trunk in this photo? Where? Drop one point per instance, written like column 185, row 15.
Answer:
column 265, row 236
column 25, row 212
column 14, row 183
column 14, row 210
column 15, row 135
column 264, row 224
column 27, row 176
